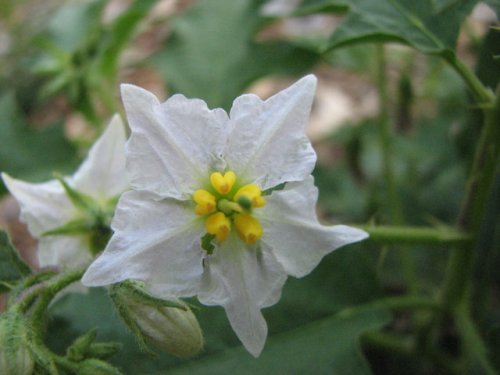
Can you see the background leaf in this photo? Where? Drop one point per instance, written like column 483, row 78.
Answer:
column 327, row 346
column 216, row 61
column 429, row 25
column 28, row 153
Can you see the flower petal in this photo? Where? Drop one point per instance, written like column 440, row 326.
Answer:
column 157, row 241
column 292, row 230
column 268, row 145
column 44, row 206
column 102, row 174
column 174, row 145
column 243, row 279
column 64, row 251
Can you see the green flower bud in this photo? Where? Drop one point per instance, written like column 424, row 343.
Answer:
column 16, row 357
column 169, row 325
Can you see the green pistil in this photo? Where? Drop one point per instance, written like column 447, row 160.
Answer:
column 228, row 207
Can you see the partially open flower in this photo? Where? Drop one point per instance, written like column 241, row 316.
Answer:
column 71, row 215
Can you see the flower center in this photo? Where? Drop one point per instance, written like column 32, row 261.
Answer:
column 225, row 204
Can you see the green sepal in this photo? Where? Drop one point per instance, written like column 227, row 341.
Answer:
column 79, row 349
column 131, row 289
column 104, row 350
column 93, row 366
column 126, row 317
column 79, row 199
column 77, row 226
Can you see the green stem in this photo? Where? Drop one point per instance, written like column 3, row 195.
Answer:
column 48, row 292
column 460, row 266
column 415, row 235
column 406, row 303
column 390, row 342
column 474, row 347
column 482, row 95
column 384, row 133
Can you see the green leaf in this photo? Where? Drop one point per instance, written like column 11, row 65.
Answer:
column 430, row 26
column 327, row 346
column 31, row 153
column 12, row 267
column 74, row 23
column 212, row 53
column 120, row 32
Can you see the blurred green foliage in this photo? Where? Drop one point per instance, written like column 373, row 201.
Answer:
column 214, row 50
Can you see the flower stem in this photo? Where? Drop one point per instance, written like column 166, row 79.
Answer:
column 486, row 158
column 384, row 133
column 48, row 292
column 482, row 95
column 415, row 235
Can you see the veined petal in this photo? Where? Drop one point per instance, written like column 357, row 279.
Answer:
column 44, row 206
column 292, row 230
column 243, row 280
column 173, row 145
column 157, row 241
column 268, row 144
column 102, row 174
column 64, row 251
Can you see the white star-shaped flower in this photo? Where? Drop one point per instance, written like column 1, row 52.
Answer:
column 63, row 228
column 222, row 205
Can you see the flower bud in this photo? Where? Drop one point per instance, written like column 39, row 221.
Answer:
column 169, row 325
column 15, row 354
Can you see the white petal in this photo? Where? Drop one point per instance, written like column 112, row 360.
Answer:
column 64, row 251
column 243, row 280
column 102, row 174
column 174, row 145
column 292, row 230
column 268, row 144
column 43, row 206
column 157, row 241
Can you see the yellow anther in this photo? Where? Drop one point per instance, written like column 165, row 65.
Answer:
column 218, row 225
column 205, row 202
column 223, row 184
column 253, row 193
column 248, row 228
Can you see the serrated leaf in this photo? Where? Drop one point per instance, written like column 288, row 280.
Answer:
column 212, row 53
column 12, row 267
column 29, row 153
column 430, row 26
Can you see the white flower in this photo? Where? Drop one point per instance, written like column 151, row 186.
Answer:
column 199, row 220
column 47, row 208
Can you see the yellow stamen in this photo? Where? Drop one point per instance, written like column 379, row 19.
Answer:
column 253, row 193
column 248, row 228
column 223, row 184
column 205, row 202
column 218, row 225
